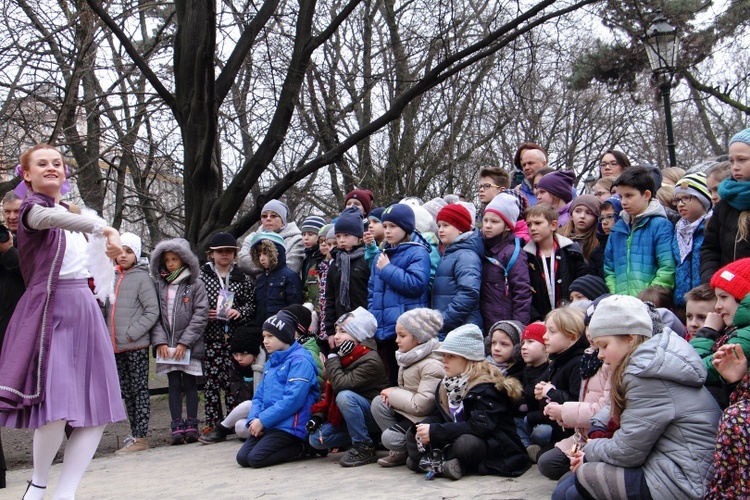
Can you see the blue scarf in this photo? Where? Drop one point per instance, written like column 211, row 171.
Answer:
column 735, row 193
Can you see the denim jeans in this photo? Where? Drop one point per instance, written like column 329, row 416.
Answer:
column 540, row 434
column 357, row 426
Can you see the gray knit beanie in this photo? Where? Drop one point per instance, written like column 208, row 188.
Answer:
column 423, row 323
column 466, row 341
column 621, row 315
column 277, row 207
column 360, row 324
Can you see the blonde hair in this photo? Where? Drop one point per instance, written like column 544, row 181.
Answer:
column 673, row 174
column 665, row 195
column 617, row 395
column 743, row 224
column 509, row 385
column 568, row 320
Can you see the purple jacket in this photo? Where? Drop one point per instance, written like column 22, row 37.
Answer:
column 496, row 302
column 23, row 363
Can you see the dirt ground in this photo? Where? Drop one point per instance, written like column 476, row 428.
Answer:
column 17, row 444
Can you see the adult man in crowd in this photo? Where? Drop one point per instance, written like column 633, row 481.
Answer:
column 529, row 158
column 273, row 217
column 11, row 281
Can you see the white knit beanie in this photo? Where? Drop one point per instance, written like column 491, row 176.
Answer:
column 621, row 315
column 505, row 206
column 466, row 341
column 360, row 324
column 133, row 242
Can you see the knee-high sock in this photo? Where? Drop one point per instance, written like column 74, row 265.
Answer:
column 47, row 440
column 78, row 454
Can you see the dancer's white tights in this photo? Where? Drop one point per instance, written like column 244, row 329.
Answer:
column 79, row 451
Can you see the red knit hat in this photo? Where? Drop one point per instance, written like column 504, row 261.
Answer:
column 534, row 331
column 364, row 196
column 457, row 216
column 734, row 278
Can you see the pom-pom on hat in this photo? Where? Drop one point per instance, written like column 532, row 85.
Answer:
column 247, row 339
column 423, row 220
column 734, row 278
column 281, row 325
column 743, row 136
column 277, row 207
column 423, row 323
column 350, row 222
column 312, row 224
column 621, row 315
column 402, row 215
column 457, row 216
column 360, row 324
column 695, row 185
column 223, row 240
column 506, row 207
column 558, row 183
column 590, row 286
column 364, row 196
column 133, row 242
column 466, row 341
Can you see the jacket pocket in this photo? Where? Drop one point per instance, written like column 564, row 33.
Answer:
column 276, row 292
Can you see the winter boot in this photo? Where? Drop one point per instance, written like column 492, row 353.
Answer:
column 360, row 454
column 394, row 459
column 215, row 435
column 191, row 430
column 452, row 469
column 133, row 444
column 178, row 431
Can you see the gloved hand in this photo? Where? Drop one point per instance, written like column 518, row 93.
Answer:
column 313, row 424
column 346, row 348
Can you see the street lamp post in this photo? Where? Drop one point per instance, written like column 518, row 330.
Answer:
column 661, row 47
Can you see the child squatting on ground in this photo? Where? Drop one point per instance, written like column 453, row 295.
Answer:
column 472, row 429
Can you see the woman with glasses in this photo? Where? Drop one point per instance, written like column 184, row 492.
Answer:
column 613, row 163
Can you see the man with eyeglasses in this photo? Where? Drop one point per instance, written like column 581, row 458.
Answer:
column 529, row 159
column 273, row 217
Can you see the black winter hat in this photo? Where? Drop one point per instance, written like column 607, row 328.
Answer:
column 247, row 339
column 590, row 286
column 303, row 316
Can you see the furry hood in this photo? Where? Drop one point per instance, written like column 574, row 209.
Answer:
column 181, row 247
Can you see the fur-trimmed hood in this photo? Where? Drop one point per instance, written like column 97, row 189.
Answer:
column 181, row 247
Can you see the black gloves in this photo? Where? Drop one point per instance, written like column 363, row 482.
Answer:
column 346, row 348
column 313, row 424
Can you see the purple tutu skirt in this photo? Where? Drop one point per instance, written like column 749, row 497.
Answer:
column 82, row 386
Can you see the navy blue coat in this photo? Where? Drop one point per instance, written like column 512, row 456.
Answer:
column 274, row 290
column 458, row 279
column 400, row 286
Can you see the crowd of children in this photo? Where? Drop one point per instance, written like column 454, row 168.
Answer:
column 593, row 334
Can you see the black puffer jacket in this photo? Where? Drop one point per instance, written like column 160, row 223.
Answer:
column 720, row 245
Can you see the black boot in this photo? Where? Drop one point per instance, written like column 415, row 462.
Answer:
column 216, row 435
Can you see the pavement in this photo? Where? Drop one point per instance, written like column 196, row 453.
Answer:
column 210, row 471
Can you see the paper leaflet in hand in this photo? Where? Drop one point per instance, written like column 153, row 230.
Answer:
column 224, row 304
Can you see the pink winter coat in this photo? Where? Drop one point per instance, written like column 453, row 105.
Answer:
column 593, row 397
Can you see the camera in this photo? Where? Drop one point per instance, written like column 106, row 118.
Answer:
column 4, row 234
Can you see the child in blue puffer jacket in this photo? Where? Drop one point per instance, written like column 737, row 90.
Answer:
column 458, row 280
column 399, row 280
column 277, row 286
column 281, row 405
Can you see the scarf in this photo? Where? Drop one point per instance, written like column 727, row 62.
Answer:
column 170, row 277
column 456, row 387
column 418, row 353
column 735, row 193
column 343, row 261
column 684, row 231
column 590, row 363
column 327, row 405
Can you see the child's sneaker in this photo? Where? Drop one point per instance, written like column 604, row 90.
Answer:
column 178, row 432
column 191, row 430
column 133, row 444
column 360, row 454
column 215, row 435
